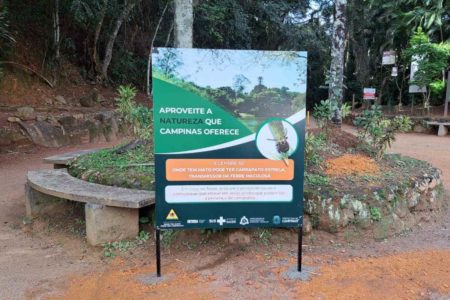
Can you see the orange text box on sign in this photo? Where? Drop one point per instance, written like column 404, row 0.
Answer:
column 229, row 169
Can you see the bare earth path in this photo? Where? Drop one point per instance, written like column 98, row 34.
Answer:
column 431, row 148
column 26, row 259
column 415, row 265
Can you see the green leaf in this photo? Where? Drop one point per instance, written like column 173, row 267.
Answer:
column 144, row 220
column 431, row 20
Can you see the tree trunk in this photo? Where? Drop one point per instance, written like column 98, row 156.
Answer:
column 336, row 88
column 184, row 20
column 98, row 29
column 149, row 61
column 356, row 16
column 110, row 45
column 56, row 31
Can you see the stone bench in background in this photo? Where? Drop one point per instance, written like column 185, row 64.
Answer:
column 112, row 213
column 61, row 161
column 443, row 130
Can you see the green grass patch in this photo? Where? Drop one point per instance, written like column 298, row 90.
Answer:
column 130, row 169
column 111, row 249
column 316, row 179
column 375, row 213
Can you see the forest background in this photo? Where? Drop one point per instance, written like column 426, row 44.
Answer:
column 109, row 42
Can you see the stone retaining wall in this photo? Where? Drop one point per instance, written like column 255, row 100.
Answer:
column 62, row 130
column 395, row 209
column 419, row 123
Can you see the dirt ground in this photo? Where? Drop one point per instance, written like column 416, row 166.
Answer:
column 431, row 148
column 31, row 258
column 37, row 263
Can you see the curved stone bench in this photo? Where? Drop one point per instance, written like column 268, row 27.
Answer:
column 112, row 213
column 61, row 161
column 442, row 129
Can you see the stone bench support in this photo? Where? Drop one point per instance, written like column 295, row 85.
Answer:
column 442, row 127
column 37, row 203
column 112, row 213
column 106, row 223
column 443, row 130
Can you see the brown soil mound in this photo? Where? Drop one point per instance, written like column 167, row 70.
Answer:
column 351, row 164
column 343, row 139
column 339, row 137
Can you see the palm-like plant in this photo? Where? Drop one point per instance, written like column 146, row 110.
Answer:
column 5, row 34
column 408, row 15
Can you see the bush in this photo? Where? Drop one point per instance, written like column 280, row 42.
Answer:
column 324, row 111
column 5, row 33
column 137, row 116
column 6, row 38
column 432, row 59
column 378, row 131
column 375, row 213
column 313, row 144
column 127, row 67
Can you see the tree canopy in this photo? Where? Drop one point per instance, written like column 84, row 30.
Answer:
column 110, row 40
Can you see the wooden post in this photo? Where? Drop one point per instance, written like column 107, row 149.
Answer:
column 447, row 95
column 353, row 102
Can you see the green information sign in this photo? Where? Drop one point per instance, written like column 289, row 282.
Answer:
column 229, row 130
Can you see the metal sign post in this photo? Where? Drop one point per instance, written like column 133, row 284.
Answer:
column 158, row 252
column 299, row 251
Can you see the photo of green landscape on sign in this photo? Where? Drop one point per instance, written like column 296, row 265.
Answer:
column 229, row 137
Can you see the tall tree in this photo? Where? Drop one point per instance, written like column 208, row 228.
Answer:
column 98, row 28
column 149, row 59
column 432, row 61
column 336, row 80
column 129, row 5
column 184, row 23
column 405, row 16
column 56, row 31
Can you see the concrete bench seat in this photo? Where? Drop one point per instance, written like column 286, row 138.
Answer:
column 443, row 130
column 62, row 160
column 112, row 213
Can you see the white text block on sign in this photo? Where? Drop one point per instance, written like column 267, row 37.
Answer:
column 228, row 193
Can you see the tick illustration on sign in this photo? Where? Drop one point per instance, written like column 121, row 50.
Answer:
column 279, row 134
column 277, row 139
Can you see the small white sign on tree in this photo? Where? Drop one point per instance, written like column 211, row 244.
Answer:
column 389, row 58
column 369, row 93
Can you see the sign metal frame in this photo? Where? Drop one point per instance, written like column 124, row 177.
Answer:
column 213, row 167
